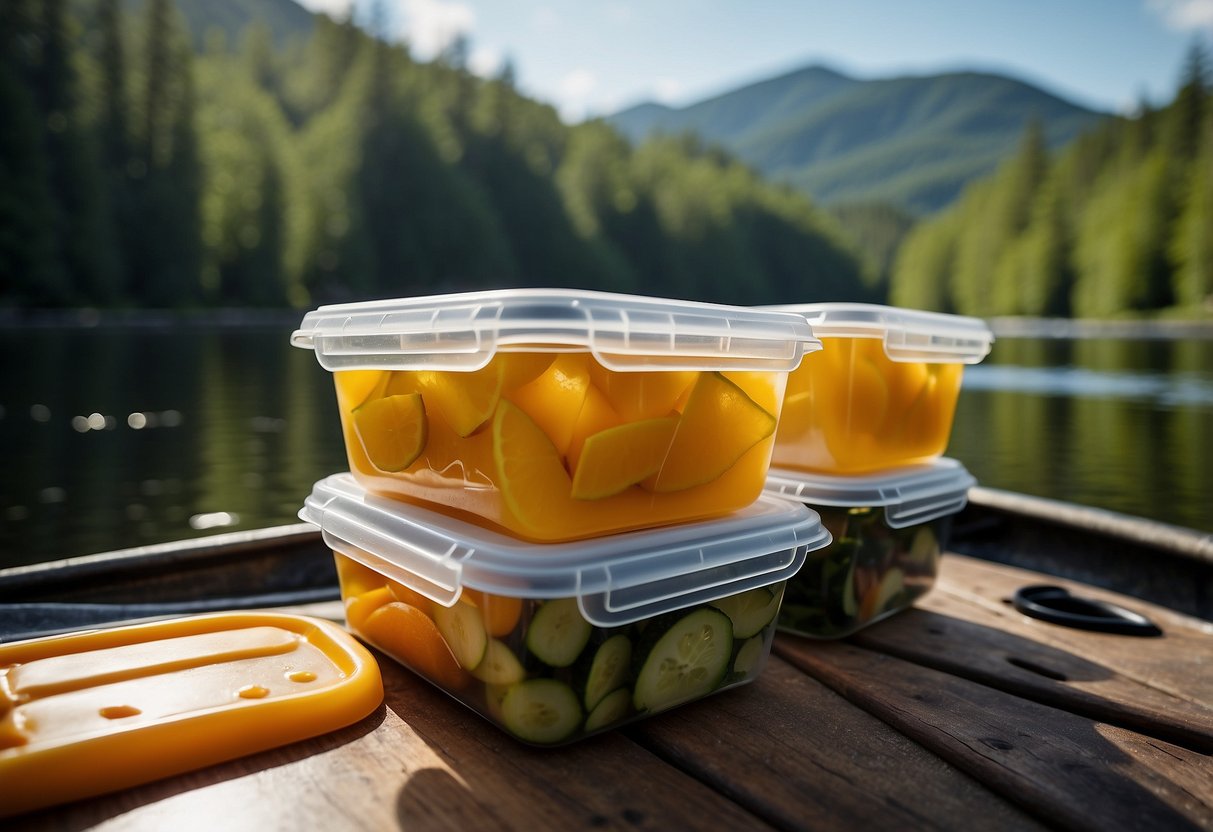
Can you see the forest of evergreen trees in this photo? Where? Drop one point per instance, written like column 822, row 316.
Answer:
column 1120, row 222
column 136, row 171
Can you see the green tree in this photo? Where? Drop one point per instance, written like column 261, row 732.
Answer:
column 166, row 264
column 31, row 271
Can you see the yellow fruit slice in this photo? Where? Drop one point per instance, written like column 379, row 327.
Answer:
column 465, row 401
column 392, row 430
column 619, row 457
column 554, row 399
column 637, row 396
column 530, row 472
column 357, row 387
column 519, row 368
column 596, row 415
column 719, row 424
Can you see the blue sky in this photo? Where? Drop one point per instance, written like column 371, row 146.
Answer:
column 592, row 58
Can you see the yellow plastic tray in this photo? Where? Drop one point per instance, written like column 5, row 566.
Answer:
column 93, row 712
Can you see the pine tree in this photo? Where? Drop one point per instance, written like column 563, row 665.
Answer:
column 31, row 270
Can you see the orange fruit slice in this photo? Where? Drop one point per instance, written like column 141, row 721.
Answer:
column 596, row 415
column 410, row 636
column 465, row 401
column 359, row 607
column 530, row 472
column 719, row 424
column 519, row 368
column 500, row 612
column 645, row 395
column 392, row 430
column 619, row 457
column 554, row 399
column 357, row 387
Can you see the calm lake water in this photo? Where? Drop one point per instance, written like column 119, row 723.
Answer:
column 115, row 437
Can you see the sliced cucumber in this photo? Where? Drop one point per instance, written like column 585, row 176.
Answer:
column 607, row 670
column 749, row 611
column 494, row 695
column 613, row 708
column 500, row 666
column 542, row 711
column 558, row 633
column 463, row 629
column 749, row 657
column 686, row 661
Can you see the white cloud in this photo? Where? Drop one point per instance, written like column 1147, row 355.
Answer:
column 485, row 61
column 666, row 90
column 431, row 25
column 1184, row 15
column 575, row 89
column 333, row 8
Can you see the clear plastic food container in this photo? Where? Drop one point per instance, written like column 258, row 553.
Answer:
column 88, row 713
column 882, row 393
column 559, row 415
column 888, row 532
column 553, row 642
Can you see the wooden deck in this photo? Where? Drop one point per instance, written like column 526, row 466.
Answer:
column 959, row 714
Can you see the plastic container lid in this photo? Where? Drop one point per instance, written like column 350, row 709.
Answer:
column 917, row 494
column 102, row 710
column 624, row 332
column 618, row 579
column 908, row 334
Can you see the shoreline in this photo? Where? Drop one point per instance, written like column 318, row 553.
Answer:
column 1003, row 327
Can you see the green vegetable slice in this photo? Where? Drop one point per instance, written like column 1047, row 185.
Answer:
column 558, row 633
column 463, row 629
column 542, row 711
column 500, row 666
column 686, row 661
column 749, row 658
column 613, row 708
column 749, row 611
column 607, row 671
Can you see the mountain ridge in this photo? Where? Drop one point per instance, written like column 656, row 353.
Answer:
column 913, row 140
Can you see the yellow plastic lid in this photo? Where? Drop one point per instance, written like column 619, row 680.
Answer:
column 88, row 713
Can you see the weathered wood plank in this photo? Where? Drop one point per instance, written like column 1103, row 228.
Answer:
column 1002, row 649
column 793, row 752
column 1068, row 770
column 424, row 762
column 1180, row 662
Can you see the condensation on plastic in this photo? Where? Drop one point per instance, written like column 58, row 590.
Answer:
column 624, row 332
column 908, row 334
column 912, row 495
column 617, row 579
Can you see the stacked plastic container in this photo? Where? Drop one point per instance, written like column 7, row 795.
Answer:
column 555, row 506
column 861, row 440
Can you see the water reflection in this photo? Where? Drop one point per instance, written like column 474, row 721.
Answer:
column 118, row 437
column 1125, row 425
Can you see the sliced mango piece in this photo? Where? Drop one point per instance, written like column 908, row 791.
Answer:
column 357, row 387
column 596, row 415
column 719, row 424
column 646, row 395
column 519, row 368
column 530, row 471
column 500, row 612
column 392, row 430
column 554, row 399
column 465, row 401
column 359, row 607
column 412, row 637
column 620, row 457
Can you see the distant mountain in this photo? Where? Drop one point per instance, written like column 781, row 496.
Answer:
column 913, row 141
